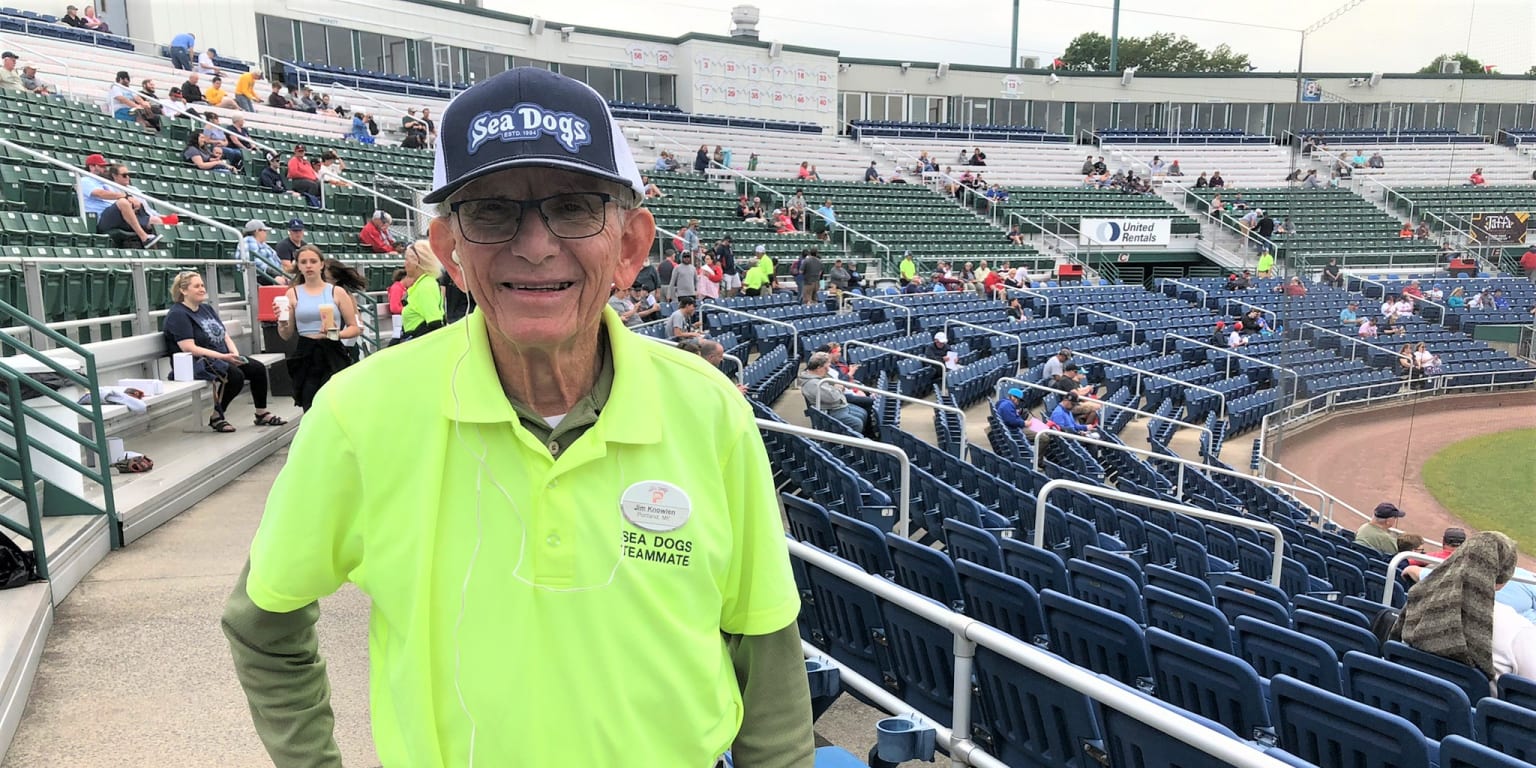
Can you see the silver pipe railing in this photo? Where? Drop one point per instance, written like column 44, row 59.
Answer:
column 943, row 369
column 1295, row 377
column 1052, row 486
column 1018, row 361
column 970, row 633
column 794, row 333
column 998, row 391
column 849, row 298
column 1397, row 560
column 1221, row 397
column 1204, row 294
column 1357, row 340
column 903, row 462
column 728, row 356
column 1009, row 291
column 1325, row 501
column 69, row 74
column 1077, row 309
column 822, row 386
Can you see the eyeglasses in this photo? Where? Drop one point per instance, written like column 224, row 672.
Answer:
column 570, row 216
column 122, row 175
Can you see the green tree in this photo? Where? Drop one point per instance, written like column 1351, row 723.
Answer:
column 1159, row 52
column 1469, row 65
column 1531, row 72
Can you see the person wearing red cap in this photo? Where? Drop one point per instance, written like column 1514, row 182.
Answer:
column 117, row 213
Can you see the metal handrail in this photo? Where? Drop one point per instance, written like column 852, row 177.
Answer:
column 69, row 74
column 943, row 369
column 903, row 462
column 1078, row 308
column 1314, row 486
column 794, row 333
column 328, row 174
column 822, row 386
column 1205, row 295
column 1325, row 500
column 998, row 390
column 849, row 298
column 1030, row 292
column 1416, row 299
column 970, row 633
column 1295, row 377
column 1018, row 360
column 206, row 122
column 1167, row 506
column 740, row 366
column 306, row 77
column 27, row 490
column 365, row 95
column 1220, row 396
column 1226, row 306
column 1357, row 340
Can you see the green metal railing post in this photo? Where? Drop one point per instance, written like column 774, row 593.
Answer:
column 28, row 489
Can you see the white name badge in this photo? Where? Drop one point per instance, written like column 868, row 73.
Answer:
column 655, row 506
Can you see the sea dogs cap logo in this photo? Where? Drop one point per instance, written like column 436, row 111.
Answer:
column 528, row 122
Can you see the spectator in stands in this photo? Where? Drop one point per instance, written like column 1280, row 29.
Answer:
column 288, row 248
column 664, row 162
column 332, row 169
column 214, row 136
column 1427, row 361
column 1476, row 179
column 1064, row 418
column 701, row 160
column 1377, row 533
column 305, row 100
column 831, row 398
column 425, row 307
column 681, row 324
column 72, row 18
column 1055, row 365
column 190, row 90
column 1332, row 275
column 119, row 215
column 1422, row 232
column 10, row 79
column 717, row 158
column 1294, row 289
column 652, row 191
column 1266, row 265
column 684, row 280
column 1500, row 301
column 414, row 129
column 206, row 64
column 245, row 90
column 1408, row 365
column 1087, row 169
column 906, row 269
column 828, row 215
column 360, row 132
column 32, row 84
column 1174, row 170
column 1358, row 160
column 1455, row 612
column 648, row 309
column 376, row 235
column 1312, row 181
column 1350, row 315
column 1528, row 263
column 1217, row 207
column 1157, row 167
column 1450, row 541
column 301, row 175
column 1457, row 299
column 1219, row 334
column 1405, row 232
column 1010, row 411
column 871, row 174
column 181, row 50
column 1016, row 310
column 198, row 156
column 839, row 277
column 254, row 250
column 126, row 105
column 811, row 272
column 1217, row 182
column 197, row 329
column 709, row 276
column 217, row 96
column 624, row 307
column 322, row 315
column 1265, row 227
column 1201, row 182
column 1410, row 542
column 1376, row 160
column 1236, row 338
column 1014, row 236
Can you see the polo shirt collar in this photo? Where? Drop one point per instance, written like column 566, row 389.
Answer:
column 473, row 393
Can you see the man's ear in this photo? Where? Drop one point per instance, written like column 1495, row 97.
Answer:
column 635, row 245
column 440, row 236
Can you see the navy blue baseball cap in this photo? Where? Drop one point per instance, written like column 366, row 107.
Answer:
column 529, row 118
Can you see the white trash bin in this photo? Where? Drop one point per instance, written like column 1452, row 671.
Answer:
column 45, row 466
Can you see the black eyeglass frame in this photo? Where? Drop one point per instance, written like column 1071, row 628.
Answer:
column 537, row 204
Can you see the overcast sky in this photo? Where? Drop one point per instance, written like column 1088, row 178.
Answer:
column 1377, row 36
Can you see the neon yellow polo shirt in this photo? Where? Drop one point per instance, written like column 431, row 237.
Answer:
column 380, row 489
column 1266, row 262
column 756, row 277
column 908, row 269
column 423, row 303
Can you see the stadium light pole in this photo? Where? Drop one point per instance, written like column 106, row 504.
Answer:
column 1013, row 48
column 1114, row 38
column 1301, row 48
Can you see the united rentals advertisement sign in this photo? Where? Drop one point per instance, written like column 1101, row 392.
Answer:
column 1500, row 228
column 1125, row 232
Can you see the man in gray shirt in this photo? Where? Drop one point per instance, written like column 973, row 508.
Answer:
column 829, row 397
column 680, row 323
column 810, row 275
column 1053, row 365
column 684, row 279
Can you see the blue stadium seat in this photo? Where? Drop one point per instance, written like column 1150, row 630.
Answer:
column 1437, row 708
column 1042, row 568
column 1341, row 637
column 1002, row 601
column 922, row 662
column 1518, row 690
column 1469, row 679
column 836, row 757
column 1331, row 731
column 1107, row 589
column 1027, row 719
column 1210, row 683
column 850, row 618
column 1506, row 727
column 1096, row 639
column 1189, row 619
column 862, row 544
column 1331, row 609
column 967, row 542
column 1458, row 752
column 1179, row 583
column 1118, row 562
column 1274, row 650
column 1234, row 603
column 809, row 522
column 925, row 570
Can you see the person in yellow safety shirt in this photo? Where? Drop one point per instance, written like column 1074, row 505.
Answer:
column 424, row 311
column 245, row 90
column 908, row 268
column 1266, row 265
column 758, row 277
column 556, row 578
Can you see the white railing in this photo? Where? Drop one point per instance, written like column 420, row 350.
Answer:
column 970, row 633
column 1221, row 397
column 69, row 74
column 943, row 369
column 1011, row 380
column 1078, row 308
column 846, row 298
column 903, row 462
column 1205, row 295
column 1018, row 360
column 823, row 385
column 1052, row 486
column 1357, row 340
column 794, row 333
column 740, row 366
column 306, row 76
column 1069, row 250
column 1295, row 378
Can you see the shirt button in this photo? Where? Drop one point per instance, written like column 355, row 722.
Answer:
column 553, row 540
column 552, row 484
column 554, row 448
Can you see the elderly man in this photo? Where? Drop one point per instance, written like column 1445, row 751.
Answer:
column 830, row 397
column 31, row 82
column 376, row 235
column 1377, row 533
column 10, row 77
column 550, row 585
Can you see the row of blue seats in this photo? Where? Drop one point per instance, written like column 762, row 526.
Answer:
column 952, row 131
column 767, row 377
column 975, row 382
column 43, row 25
column 1430, row 136
column 690, row 118
column 367, row 79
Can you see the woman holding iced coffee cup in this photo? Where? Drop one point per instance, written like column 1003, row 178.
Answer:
column 320, row 315
column 197, row 330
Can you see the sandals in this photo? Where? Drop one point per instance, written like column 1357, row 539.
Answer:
column 269, row 419
column 134, row 464
column 220, row 424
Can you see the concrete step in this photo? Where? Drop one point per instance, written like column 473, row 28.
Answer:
column 73, row 544
column 26, row 614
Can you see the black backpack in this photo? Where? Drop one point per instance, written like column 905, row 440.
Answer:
column 17, row 567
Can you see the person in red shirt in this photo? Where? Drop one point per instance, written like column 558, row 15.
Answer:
column 1450, row 540
column 376, row 234
column 1295, row 288
column 301, row 175
column 1528, row 263
column 993, row 282
column 1476, row 179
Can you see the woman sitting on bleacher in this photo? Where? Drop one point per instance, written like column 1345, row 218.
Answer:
column 198, row 331
column 322, row 315
column 198, row 157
